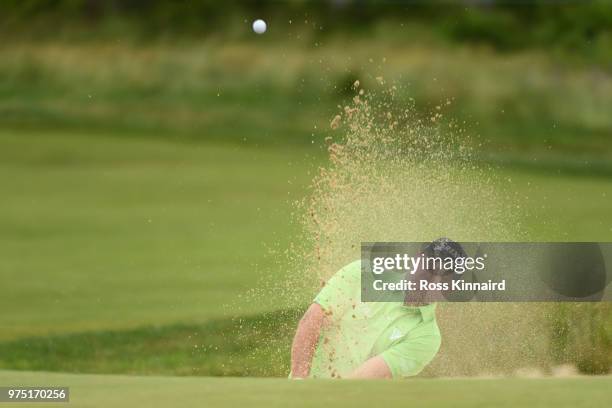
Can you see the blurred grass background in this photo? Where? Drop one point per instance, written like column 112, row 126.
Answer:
column 150, row 153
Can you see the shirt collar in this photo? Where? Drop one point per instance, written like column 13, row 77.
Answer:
column 428, row 312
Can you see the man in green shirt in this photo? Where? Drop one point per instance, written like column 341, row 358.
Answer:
column 341, row 337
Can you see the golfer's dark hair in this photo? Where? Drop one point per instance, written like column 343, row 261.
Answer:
column 444, row 248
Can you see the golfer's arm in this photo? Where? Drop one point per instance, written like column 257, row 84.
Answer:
column 375, row 367
column 305, row 341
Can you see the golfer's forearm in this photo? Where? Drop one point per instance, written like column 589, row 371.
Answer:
column 375, row 367
column 301, row 355
column 305, row 341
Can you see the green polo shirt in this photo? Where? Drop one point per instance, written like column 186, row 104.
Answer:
column 407, row 338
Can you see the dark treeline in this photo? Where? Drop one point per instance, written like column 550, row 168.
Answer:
column 504, row 25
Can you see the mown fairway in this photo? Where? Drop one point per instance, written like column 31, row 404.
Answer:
column 99, row 232
column 122, row 391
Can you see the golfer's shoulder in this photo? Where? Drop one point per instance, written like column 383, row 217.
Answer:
column 348, row 274
column 350, row 271
column 353, row 268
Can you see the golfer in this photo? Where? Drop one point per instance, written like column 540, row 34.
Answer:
column 341, row 337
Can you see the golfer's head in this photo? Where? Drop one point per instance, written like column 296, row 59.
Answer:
column 438, row 252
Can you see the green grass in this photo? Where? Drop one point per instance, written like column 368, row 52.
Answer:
column 142, row 200
column 125, row 391
column 115, row 250
column 100, row 232
column 114, row 233
column 256, row 345
column 279, row 93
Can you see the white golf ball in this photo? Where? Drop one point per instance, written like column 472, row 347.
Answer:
column 259, row 26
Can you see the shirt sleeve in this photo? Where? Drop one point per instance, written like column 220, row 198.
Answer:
column 341, row 290
column 411, row 355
